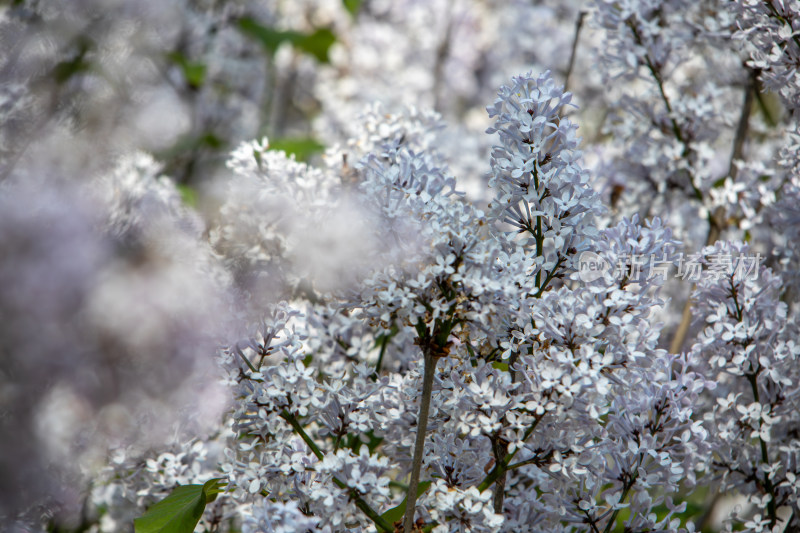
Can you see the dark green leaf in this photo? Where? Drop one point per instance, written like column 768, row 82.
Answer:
column 189, row 143
column 193, row 71
column 180, row 511
column 422, row 329
column 352, row 6
column 270, row 38
column 188, row 195
column 302, row 147
column 315, row 44
column 177, row 513
column 210, row 140
column 374, row 442
column 195, row 74
column 396, row 513
column 64, row 70
column 354, row 442
column 212, row 488
column 769, row 104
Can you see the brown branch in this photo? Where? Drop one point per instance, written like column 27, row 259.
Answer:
column 716, row 221
column 578, row 26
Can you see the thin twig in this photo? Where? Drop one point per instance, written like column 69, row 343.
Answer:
column 676, row 129
column 768, row 485
column 502, row 466
column 419, row 444
column 499, row 449
column 683, row 327
column 578, row 25
column 442, row 52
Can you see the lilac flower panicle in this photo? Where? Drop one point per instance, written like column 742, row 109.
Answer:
column 541, row 330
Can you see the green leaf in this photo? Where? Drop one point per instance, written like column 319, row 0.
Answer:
column 769, row 104
column 353, row 6
column 315, row 44
column 65, row 70
column 354, row 442
column 188, row 195
column 180, row 511
column 396, row 513
column 374, row 441
column 270, row 38
column 422, row 329
column 193, row 71
column 210, row 140
column 500, row 366
column 177, row 513
column 212, row 488
column 302, row 147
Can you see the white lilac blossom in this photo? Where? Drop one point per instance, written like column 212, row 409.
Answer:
column 558, row 391
column 268, row 458
column 133, row 478
column 671, row 123
column 748, row 345
column 453, row 55
column 785, row 214
column 356, row 334
column 277, row 517
column 594, row 355
column 767, row 32
column 284, row 224
column 456, row 510
column 694, row 133
column 541, row 190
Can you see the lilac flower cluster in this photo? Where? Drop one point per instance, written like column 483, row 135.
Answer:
column 543, row 387
column 351, row 342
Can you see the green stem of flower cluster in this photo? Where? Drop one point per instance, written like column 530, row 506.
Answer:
column 377, row 519
column 768, row 486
